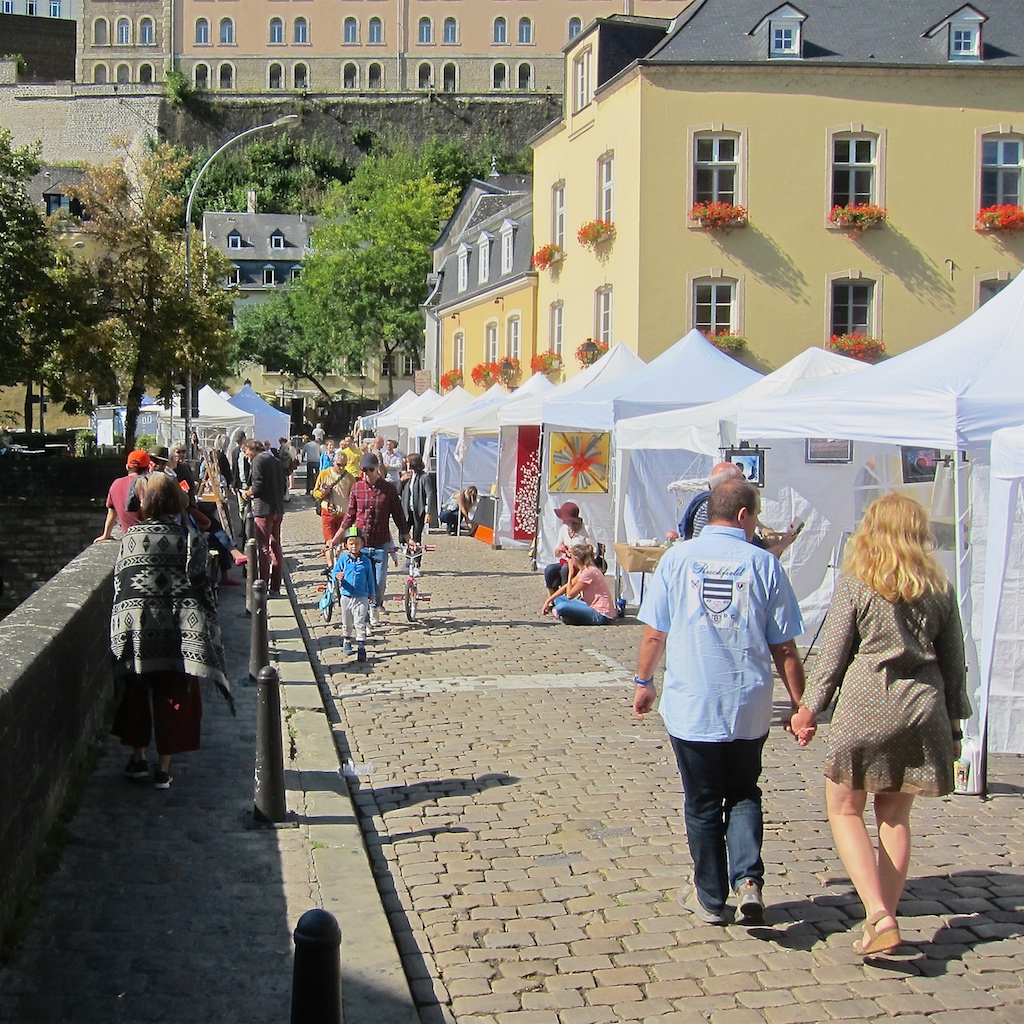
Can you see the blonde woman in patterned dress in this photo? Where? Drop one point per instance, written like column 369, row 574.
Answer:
column 893, row 651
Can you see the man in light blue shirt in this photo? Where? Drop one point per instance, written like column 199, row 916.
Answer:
column 722, row 611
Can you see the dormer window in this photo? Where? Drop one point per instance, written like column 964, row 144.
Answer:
column 508, row 234
column 483, row 251
column 785, row 32
column 277, row 240
column 963, row 28
column 463, row 267
column 234, row 240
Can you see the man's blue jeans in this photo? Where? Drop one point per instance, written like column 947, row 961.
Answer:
column 574, row 612
column 722, row 814
column 379, row 557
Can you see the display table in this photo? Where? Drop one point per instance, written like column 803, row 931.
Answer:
column 634, row 558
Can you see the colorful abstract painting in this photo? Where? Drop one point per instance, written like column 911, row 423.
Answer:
column 579, row 463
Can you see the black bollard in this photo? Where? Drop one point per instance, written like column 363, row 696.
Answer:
column 316, row 976
column 259, row 644
column 268, row 801
column 251, row 572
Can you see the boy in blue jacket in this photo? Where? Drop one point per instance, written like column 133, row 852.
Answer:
column 358, row 585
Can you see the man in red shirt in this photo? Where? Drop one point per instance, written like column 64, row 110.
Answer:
column 372, row 504
column 138, row 465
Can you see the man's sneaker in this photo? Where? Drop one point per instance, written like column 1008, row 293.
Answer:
column 361, row 653
column 161, row 780
column 751, row 903
column 136, row 769
column 691, row 903
column 346, row 647
column 374, row 615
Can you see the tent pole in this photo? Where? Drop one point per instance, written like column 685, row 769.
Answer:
column 535, row 550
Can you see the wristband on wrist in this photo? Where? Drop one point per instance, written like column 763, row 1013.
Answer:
column 643, row 682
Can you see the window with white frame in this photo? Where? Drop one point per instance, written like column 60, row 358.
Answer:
column 202, row 32
column 715, row 168
column 350, row 33
column 491, row 342
column 7, row 7
column 606, row 187
column 201, row 76
column 449, row 78
column 459, row 351
column 426, row 31
column 99, row 74
column 269, row 276
column 375, row 76
column 450, row 31
column 499, row 78
column 275, row 77
column 463, row 268
column 276, row 31
column 410, row 364
column 508, row 242
column 603, row 314
column 581, row 93
column 852, row 302
column 31, row 7
column 146, row 74
column 1001, row 162
column 100, row 35
column 714, row 306
column 145, row 28
column 558, row 214
column 227, row 31
column 425, row 77
column 524, row 77
column 525, row 31
column 784, row 41
column 226, row 77
column 301, row 31
column 483, row 255
column 575, row 27
column 54, row 8
column 124, row 32
column 513, row 337
column 234, row 277
column 376, row 30
column 294, row 273
column 277, row 240
column 234, row 240
column 349, row 76
column 500, row 31
column 124, row 74
column 556, row 328
column 854, row 162
column 300, row 77
column 965, row 35
column 785, row 30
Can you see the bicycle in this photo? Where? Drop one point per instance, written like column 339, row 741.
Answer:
column 411, row 595
column 331, row 590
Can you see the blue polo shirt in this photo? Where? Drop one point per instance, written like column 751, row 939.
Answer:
column 722, row 601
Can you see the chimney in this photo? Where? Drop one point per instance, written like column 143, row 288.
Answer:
column 250, row 201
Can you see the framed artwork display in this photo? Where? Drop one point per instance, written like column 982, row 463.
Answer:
column 579, row 463
column 919, row 464
column 750, row 460
column 828, row 450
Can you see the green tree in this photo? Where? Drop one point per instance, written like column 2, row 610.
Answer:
column 144, row 330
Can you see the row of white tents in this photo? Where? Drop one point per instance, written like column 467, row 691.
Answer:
column 670, row 420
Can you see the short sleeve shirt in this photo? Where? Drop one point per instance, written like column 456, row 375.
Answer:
column 595, row 591
column 723, row 602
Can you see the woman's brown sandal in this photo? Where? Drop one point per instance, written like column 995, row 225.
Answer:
column 883, row 941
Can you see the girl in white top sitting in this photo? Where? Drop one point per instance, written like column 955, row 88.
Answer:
column 572, row 531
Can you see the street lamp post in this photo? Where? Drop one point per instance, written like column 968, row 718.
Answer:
column 281, row 122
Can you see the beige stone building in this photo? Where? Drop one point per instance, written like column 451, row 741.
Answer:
column 787, row 112
column 329, row 47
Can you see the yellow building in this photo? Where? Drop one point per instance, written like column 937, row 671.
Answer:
column 781, row 115
column 481, row 314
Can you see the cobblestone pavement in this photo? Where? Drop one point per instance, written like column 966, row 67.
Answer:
column 525, row 832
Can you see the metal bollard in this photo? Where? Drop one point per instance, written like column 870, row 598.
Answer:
column 269, row 802
column 251, row 572
column 316, row 976
column 259, row 643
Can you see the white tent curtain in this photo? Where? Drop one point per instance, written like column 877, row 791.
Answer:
column 216, row 416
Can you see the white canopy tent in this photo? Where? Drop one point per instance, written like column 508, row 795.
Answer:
column 216, row 416
column 396, row 423
column 270, row 424
column 369, row 421
column 691, row 372
column 664, row 459
column 950, row 394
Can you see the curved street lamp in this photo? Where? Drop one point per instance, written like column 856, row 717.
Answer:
column 282, row 122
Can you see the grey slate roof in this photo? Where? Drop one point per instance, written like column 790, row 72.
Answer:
column 256, row 230
column 889, row 32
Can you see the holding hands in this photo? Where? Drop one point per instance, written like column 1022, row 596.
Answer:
column 802, row 725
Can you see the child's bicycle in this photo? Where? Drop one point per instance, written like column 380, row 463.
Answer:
column 411, row 595
column 330, row 591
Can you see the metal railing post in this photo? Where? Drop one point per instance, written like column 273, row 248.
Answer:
column 259, row 643
column 316, row 976
column 251, row 572
column 268, row 800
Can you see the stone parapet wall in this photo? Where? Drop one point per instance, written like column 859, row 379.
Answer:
column 55, row 689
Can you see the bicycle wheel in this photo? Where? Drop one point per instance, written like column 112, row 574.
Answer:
column 411, row 597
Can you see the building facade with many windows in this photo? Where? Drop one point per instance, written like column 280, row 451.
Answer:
column 340, row 46
column 783, row 174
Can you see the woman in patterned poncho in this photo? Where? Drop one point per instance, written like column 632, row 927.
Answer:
column 164, row 635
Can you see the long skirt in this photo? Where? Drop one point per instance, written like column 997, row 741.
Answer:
column 164, row 705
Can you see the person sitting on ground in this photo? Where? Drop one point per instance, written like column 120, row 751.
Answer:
column 460, row 505
column 332, row 489
column 585, row 600
column 572, row 531
column 695, row 516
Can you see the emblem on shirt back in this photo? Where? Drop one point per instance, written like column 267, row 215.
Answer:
column 716, row 593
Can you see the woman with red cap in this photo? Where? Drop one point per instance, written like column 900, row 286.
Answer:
column 572, row 531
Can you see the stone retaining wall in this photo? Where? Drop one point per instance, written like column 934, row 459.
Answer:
column 55, row 687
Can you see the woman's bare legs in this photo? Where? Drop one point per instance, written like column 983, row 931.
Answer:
column 892, row 812
column 856, row 851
